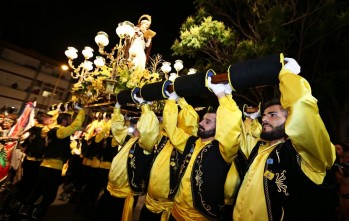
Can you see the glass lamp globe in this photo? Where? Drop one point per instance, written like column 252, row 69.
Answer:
column 87, row 52
column 102, row 39
column 88, row 65
column 178, row 65
column 99, row 61
column 191, row 71
column 166, row 67
column 173, row 77
column 71, row 53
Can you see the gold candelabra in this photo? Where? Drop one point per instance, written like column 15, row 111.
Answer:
column 125, row 32
column 84, row 70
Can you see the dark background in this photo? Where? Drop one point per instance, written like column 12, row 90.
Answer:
column 49, row 27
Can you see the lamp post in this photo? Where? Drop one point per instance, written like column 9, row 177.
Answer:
column 63, row 68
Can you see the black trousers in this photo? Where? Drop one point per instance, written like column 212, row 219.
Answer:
column 47, row 187
column 146, row 215
column 29, row 178
column 110, row 208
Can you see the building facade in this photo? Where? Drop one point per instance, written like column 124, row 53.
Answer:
column 28, row 76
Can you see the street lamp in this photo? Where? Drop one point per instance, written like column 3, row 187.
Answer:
column 63, row 68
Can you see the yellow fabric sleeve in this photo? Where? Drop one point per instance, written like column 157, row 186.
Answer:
column 251, row 129
column 177, row 136
column 148, row 127
column 188, row 118
column 118, row 128
column 228, row 128
column 104, row 132
column 90, row 129
column 63, row 132
column 305, row 127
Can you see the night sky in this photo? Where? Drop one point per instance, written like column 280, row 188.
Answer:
column 49, row 27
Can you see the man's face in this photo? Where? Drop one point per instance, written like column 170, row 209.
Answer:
column 47, row 121
column 207, row 127
column 7, row 124
column 273, row 123
column 68, row 121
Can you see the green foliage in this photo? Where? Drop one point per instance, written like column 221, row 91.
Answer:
column 314, row 32
column 213, row 42
column 3, row 157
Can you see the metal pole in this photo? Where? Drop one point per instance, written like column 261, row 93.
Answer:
column 55, row 88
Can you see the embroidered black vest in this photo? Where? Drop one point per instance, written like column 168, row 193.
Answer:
column 180, row 162
column 290, row 194
column 57, row 148
column 138, row 168
column 207, row 178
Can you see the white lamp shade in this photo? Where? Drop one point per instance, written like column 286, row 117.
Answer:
column 172, row 77
column 124, row 29
column 102, row 39
column 191, row 71
column 178, row 65
column 166, row 67
column 99, row 61
column 87, row 52
column 71, row 53
column 88, row 65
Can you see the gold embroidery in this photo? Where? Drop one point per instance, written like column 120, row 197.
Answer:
column 280, row 178
column 198, row 177
column 132, row 162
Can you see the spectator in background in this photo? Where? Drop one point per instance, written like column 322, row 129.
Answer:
column 342, row 175
column 56, row 154
column 7, row 123
column 33, row 146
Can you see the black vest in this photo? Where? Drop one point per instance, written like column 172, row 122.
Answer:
column 57, row 148
column 108, row 152
column 290, row 194
column 35, row 144
column 207, row 178
column 138, row 168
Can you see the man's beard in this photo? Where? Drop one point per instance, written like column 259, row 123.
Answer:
column 275, row 134
column 203, row 134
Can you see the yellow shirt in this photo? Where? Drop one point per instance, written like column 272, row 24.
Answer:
column 183, row 199
column 251, row 130
column 157, row 199
column 118, row 185
column 309, row 137
column 148, row 127
column 228, row 131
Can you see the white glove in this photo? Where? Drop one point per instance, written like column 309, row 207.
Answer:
column 255, row 115
column 172, row 96
column 117, row 105
column 292, row 65
column 228, row 89
column 59, row 107
column 216, row 88
column 252, row 115
column 139, row 100
column 77, row 106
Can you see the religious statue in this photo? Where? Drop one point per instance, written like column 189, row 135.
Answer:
column 140, row 43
